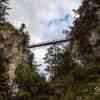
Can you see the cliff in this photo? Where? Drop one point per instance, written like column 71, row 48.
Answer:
column 13, row 50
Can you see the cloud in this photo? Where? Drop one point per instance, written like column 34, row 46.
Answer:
column 45, row 19
column 39, row 14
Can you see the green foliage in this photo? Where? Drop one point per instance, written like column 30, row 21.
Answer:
column 26, row 74
column 74, row 72
column 3, row 97
column 22, row 95
column 78, row 68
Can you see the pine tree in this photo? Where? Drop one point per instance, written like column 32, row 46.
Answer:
column 81, row 64
column 84, row 31
column 86, row 47
column 27, row 77
column 3, row 9
column 51, row 61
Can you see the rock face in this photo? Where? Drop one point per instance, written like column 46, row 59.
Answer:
column 12, row 44
column 13, row 49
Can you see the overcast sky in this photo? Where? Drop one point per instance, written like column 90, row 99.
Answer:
column 45, row 19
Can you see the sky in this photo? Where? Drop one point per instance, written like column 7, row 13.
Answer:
column 45, row 19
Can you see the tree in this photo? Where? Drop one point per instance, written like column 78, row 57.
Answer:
column 51, row 61
column 3, row 9
column 84, row 30
column 86, row 46
column 29, row 82
column 68, row 74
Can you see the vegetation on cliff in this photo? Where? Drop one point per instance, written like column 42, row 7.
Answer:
column 74, row 69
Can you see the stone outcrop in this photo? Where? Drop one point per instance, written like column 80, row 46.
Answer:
column 13, row 48
column 10, row 41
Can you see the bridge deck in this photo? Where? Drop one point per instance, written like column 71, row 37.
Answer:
column 50, row 43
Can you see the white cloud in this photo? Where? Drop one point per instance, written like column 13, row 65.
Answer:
column 39, row 14
column 35, row 13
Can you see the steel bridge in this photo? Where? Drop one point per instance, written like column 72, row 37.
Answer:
column 50, row 43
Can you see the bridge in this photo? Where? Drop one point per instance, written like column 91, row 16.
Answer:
column 50, row 43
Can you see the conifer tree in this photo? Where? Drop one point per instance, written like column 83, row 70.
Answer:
column 83, row 77
column 27, row 76
column 84, row 30
column 86, row 46
column 51, row 61
column 3, row 9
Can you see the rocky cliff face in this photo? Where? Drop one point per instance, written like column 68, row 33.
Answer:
column 12, row 45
